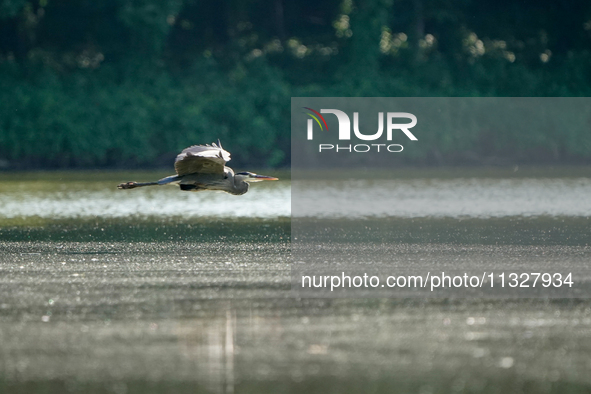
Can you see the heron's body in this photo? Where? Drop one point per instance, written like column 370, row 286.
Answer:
column 226, row 182
column 202, row 167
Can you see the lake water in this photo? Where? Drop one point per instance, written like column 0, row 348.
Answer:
column 91, row 195
column 156, row 290
column 437, row 198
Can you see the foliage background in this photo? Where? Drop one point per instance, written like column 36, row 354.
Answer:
column 129, row 83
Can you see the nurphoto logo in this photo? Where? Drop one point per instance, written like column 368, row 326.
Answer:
column 345, row 130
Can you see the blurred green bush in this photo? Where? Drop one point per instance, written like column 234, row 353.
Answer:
column 93, row 119
column 124, row 83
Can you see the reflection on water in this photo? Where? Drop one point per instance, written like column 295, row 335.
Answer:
column 133, row 317
column 213, row 344
column 197, row 352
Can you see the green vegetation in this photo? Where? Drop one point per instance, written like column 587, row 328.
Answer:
column 122, row 83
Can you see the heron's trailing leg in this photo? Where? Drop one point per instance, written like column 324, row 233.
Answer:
column 163, row 181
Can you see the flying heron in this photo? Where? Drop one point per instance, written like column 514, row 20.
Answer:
column 203, row 167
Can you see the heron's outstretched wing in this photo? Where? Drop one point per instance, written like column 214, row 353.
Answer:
column 202, row 159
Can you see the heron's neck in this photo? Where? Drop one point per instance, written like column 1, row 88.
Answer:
column 240, row 187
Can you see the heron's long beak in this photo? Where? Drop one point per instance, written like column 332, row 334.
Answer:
column 265, row 178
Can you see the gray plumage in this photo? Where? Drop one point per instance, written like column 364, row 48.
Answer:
column 203, row 167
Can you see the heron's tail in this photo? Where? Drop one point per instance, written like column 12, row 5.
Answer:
column 132, row 185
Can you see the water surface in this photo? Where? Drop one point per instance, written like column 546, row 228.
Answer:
column 156, row 290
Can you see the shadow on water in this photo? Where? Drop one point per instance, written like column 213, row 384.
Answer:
column 393, row 384
column 150, row 229
column 574, row 231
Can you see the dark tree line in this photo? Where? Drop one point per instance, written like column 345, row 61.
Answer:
column 130, row 82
